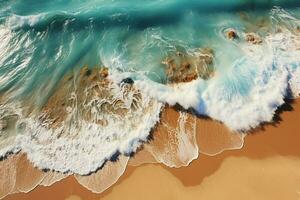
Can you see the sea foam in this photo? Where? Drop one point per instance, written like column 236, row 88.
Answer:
column 242, row 95
column 248, row 92
column 83, row 147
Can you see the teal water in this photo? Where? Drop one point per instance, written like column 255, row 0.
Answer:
column 43, row 41
column 58, row 36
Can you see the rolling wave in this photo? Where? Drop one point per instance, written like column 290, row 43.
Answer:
column 84, row 82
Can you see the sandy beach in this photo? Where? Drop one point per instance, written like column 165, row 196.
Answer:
column 267, row 167
column 167, row 100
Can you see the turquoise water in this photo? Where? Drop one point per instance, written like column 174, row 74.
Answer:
column 54, row 37
column 43, row 41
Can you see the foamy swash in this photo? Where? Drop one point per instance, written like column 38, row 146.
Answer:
column 83, row 83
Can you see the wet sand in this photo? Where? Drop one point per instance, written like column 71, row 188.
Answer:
column 267, row 167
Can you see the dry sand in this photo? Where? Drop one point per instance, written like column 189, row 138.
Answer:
column 267, row 167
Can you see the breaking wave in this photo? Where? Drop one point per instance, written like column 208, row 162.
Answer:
column 78, row 90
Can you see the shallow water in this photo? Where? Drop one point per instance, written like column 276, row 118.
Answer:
column 66, row 99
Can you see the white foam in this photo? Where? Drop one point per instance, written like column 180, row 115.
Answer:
column 181, row 147
column 18, row 21
column 85, row 146
column 249, row 92
column 244, row 95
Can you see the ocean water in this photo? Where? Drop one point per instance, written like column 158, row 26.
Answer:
column 58, row 109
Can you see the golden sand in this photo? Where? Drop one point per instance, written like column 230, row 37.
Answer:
column 267, row 167
column 237, row 178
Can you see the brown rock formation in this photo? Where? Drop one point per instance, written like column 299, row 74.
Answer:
column 78, row 93
column 253, row 38
column 182, row 67
column 231, row 34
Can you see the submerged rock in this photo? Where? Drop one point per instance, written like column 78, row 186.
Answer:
column 90, row 89
column 231, row 34
column 183, row 67
column 253, row 38
column 127, row 81
column 104, row 72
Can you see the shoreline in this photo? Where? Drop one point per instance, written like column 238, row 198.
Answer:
column 266, row 145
